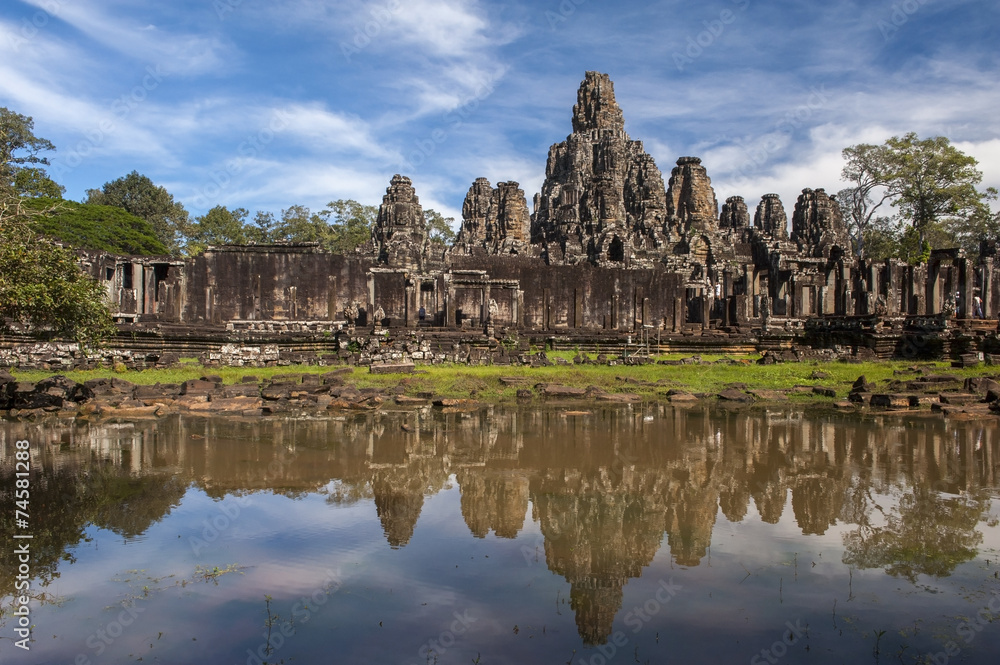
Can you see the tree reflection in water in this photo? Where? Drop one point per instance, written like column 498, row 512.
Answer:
column 607, row 489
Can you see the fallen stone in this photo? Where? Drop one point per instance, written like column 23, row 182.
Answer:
column 620, row 398
column 982, row 385
column 241, row 390
column 844, row 405
column 555, row 390
column 198, row 387
column 733, row 395
column 769, row 395
column 824, row 391
column 403, row 368
column 406, row 401
column 455, row 402
column 958, row 398
column 890, row 401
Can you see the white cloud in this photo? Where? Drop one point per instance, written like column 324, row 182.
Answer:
column 177, row 53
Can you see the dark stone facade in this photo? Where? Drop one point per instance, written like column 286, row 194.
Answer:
column 609, row 252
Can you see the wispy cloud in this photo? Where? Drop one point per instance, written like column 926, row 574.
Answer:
column 177, row 52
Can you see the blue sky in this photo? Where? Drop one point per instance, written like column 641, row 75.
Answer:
column 264, row 104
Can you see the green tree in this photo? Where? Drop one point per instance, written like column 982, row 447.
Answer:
column 42, row 288
column 299, row 224
column 932, row 181
column 352, row 224
column 264, row 228
column 136, row 194
column 868, row 171
column 341, row 227
column 439, row 227
column 86, row 226
column 20, row 160
column 219, row 226
column 931, row 184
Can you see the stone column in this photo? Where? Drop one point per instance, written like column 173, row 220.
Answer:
column 966, row 281
column 410, row 306
column 986, row 292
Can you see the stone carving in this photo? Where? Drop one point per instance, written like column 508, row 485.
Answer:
column 603, row 199
column 734, row 214
column 691, row 204
column 818, row 225
column 399, row 236
column 770, row 218
column 494, row 220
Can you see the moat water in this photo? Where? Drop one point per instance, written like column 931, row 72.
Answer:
column 581, row 535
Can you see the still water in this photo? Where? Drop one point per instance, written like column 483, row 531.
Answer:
column 644, row 534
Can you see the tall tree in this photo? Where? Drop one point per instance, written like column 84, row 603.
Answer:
column 930, row 183
column 933, row 180
column 352, row 224
column 439, row 227
column 868, row 171
column 299, row 224
column 341, row 227
column 137, row 194
column 20, row 161
column 42, row 288
column 263, row 229
column 219, row 226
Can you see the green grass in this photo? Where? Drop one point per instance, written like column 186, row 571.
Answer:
column 483, row 382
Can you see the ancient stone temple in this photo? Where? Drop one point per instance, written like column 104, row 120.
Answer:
column 494, row 220
column 603, row 199
column 399, row 237
column 609, row 255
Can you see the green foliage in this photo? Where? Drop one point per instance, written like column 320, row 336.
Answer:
column 42, row 287
column 87, row 226
column 931, row 184
column 263, row 229
column 299, row 224
column 352, row 224
column 137, row 195
column 932, row 180
column 219, row 226
column 19, row 157
column 341, row 227
column 439, row 227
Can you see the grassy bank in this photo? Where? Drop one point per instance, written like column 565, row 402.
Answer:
column 483, row 382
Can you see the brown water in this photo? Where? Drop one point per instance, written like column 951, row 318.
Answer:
column 508, row 535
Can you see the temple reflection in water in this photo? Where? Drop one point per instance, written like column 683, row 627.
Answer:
column 607, row 488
